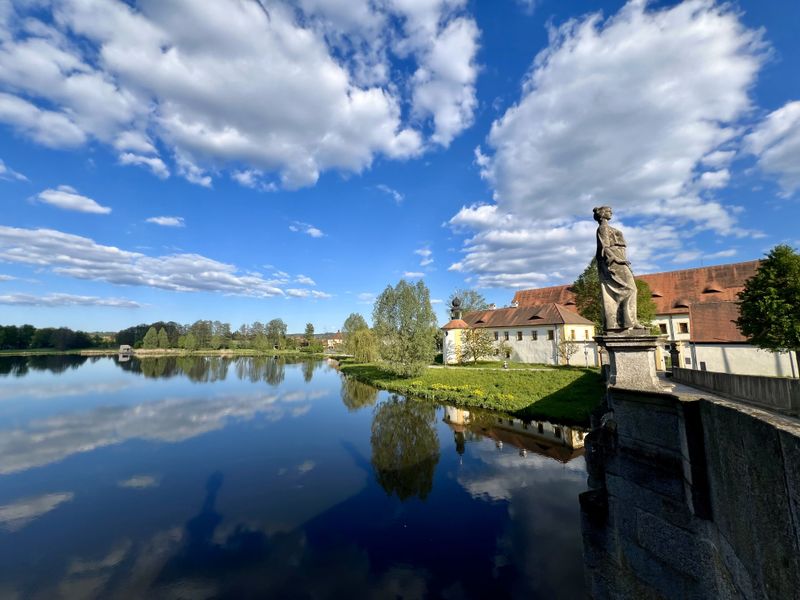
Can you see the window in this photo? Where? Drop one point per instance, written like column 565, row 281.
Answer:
column 505, row 335
column 508, row 354
column 519, row 336
column 534, row 335
column 540, row 428
column 572, row 334
column 586, row 334
column 662, row 327
column 445, row 334
column 683, row 327
column 496, row 336
column 702, row 366
column 551, row 335
column 688, row 360
column 558, row 432
column 496, row 352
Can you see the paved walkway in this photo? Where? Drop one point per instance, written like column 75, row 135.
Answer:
column 682, row 389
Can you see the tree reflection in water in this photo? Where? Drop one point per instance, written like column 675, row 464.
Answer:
column 357, row 395
column 271, row 369
column 19, row 366
column 308, row 370
column 405, row 447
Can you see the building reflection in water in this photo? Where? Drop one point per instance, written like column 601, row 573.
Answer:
column 560, row 442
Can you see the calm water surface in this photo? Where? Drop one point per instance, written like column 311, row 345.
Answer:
column 253, row 477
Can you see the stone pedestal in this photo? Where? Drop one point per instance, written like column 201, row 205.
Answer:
column 632, row 358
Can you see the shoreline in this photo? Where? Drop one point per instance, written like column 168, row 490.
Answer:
column 154, row 353
column 567, row 397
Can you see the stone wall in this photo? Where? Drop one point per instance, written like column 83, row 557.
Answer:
column 692, row 499
column 771, row 392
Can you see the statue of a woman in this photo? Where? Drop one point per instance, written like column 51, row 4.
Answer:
column 617, row 285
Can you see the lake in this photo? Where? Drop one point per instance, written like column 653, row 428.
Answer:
column 257, row 477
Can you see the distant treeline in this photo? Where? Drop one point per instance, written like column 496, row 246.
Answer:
column 28, row 337
column 214, row 335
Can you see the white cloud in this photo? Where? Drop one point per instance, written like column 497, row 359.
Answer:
column 304, row 280
column 687, row 256
column 715, row 179
column 67, row 198
column 776, row 143
column 640, row 111
column 623, row 111
column 8, row 173
column 82, row 258
column 167, row 221
column 304, row 293
column 510, row 252
column 444, row 84
column 51, row 300
column 252, row 178
column 366, row 298
column 437, row 301
column 155, row 164
column 413, row 274
column 7, row 278
column 195, row 78
column 395, row 195
column 306, row 228
column 426, row 254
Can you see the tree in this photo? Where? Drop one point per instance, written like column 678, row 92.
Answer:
column 769, row 304
column 587, row 295
column 150, row 340
column 566, row 350
column 309, row 333
column 645, row 307
column 188, row 342
column 476, row 343
column 405, row 326
column 587, row 298
column 471, row 300
column 352, row 324
column 163, row 339
column 276, row 333
column 363, row 346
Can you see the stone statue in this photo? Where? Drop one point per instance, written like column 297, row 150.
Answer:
column 617, row 285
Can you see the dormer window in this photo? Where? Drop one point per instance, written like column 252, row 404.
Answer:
column 681, row 303
column 712, row 288
column 656, row 294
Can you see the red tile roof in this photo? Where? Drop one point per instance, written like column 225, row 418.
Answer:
column 456, row 324
column 525, row 316
column 715, row 322
column 673, row 291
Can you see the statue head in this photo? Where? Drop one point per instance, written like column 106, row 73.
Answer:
column 602, row 212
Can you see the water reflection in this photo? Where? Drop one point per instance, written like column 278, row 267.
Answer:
column 18, row 366
column 562, row 443
column 356, row 395
column 405, row 447
column 47, row 440
column 234, row 489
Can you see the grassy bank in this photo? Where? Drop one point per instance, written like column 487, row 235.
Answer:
column 565, row 395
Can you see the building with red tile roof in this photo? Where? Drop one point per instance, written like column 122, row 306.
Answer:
column 529, row 334
column 697, row 310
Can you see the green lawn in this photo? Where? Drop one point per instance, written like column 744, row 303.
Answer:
column 565, row 395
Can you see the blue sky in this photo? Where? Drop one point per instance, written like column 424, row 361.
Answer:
column 243, row 161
